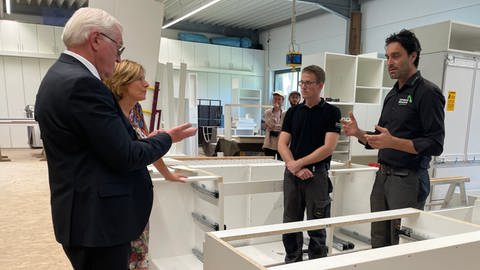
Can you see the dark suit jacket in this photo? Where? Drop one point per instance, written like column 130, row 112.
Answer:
column 101, row 191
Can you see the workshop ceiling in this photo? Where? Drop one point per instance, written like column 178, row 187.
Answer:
column 224, row 16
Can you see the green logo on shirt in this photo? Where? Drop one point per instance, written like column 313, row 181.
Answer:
column 409, row 98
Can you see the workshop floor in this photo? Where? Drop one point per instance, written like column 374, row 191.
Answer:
column 26, row 232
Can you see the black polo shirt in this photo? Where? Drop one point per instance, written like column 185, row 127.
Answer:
column 415, row 112
column 308, row 126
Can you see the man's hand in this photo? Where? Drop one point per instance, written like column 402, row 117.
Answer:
column 350, row 128
column 382, row 140
column 293, row 166
column 304, row 174
column 181, row 132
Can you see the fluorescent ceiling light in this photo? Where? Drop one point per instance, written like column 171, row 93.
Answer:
column 190, row 13
column 7, row 6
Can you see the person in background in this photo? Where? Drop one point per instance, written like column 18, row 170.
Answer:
column 309, row 136
column 129, row 87
column 410, row 130
column 273, row 125
column 294, row 98
column 101, row 191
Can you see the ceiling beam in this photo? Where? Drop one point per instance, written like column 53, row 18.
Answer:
column 342, row 8
column 297, row 19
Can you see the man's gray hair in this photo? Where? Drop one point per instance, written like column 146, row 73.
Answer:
column 85, row 21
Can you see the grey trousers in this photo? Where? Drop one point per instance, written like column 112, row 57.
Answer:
column 391, row 191
column 312, row 195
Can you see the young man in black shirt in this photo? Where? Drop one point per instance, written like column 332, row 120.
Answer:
column 309, row 136
column 410, row 131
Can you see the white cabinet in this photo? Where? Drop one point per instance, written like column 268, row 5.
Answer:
column 369, row 80
column 58, row 42
column 28, row 37
column 353, row 79
column 9, row 36
column 46, row 39
column 248, row 97
column 356, row 84
column 340, row 70
column 225, row 57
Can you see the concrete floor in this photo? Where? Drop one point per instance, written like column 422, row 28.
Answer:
column 26, row 232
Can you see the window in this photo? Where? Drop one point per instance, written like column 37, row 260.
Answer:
column 286, row 80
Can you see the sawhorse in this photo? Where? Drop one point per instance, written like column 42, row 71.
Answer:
column 453, row 182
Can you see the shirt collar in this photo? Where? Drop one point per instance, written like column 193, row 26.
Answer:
column 410, row 82
column 85, row 62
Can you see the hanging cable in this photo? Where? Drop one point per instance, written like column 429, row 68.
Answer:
column 294, row 57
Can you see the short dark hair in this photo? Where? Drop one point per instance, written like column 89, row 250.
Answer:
column 317, row 71
column 409, row 42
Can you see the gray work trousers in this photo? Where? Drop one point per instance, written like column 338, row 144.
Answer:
column 312, row 195
column 392, row 190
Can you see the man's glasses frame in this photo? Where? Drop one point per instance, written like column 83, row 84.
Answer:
column 306, row 83
column 120, row 48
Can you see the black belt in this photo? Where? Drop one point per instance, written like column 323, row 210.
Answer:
column 319, row 167
column 388, row 170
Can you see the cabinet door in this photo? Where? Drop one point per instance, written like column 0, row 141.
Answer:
column 59, row 45
column 15, row 99
column 31, row 78
column 9, row 39
column 473, row 149
column 188, row 53
column 248, row 59
column 225, row 57
column 28, row 37
column 201, row 55
column 213, row 86
column 46, row 39
column 458, row 79
column 163, row 55
column 174, row 51
column 237, row 58
column 214, row 55
column 258, row 62
column 202, row 85
column 225, row 88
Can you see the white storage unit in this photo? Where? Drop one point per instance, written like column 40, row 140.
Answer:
column 219, row 69
column 26, row 53
column 254, row 113
column 450, row 59
column 360, row 83
column 250, row 193
column 446, row 238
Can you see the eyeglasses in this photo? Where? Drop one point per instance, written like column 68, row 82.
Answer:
column 306, row 83
column 120, row 48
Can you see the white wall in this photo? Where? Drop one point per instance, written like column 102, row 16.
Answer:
column 382, row 18
column 325, row 33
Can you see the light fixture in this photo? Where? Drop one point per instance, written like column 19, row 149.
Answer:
column 294, row 57
column 7, row 6
column 190, row 13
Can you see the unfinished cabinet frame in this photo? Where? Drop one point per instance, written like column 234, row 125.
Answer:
column 447, row 238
